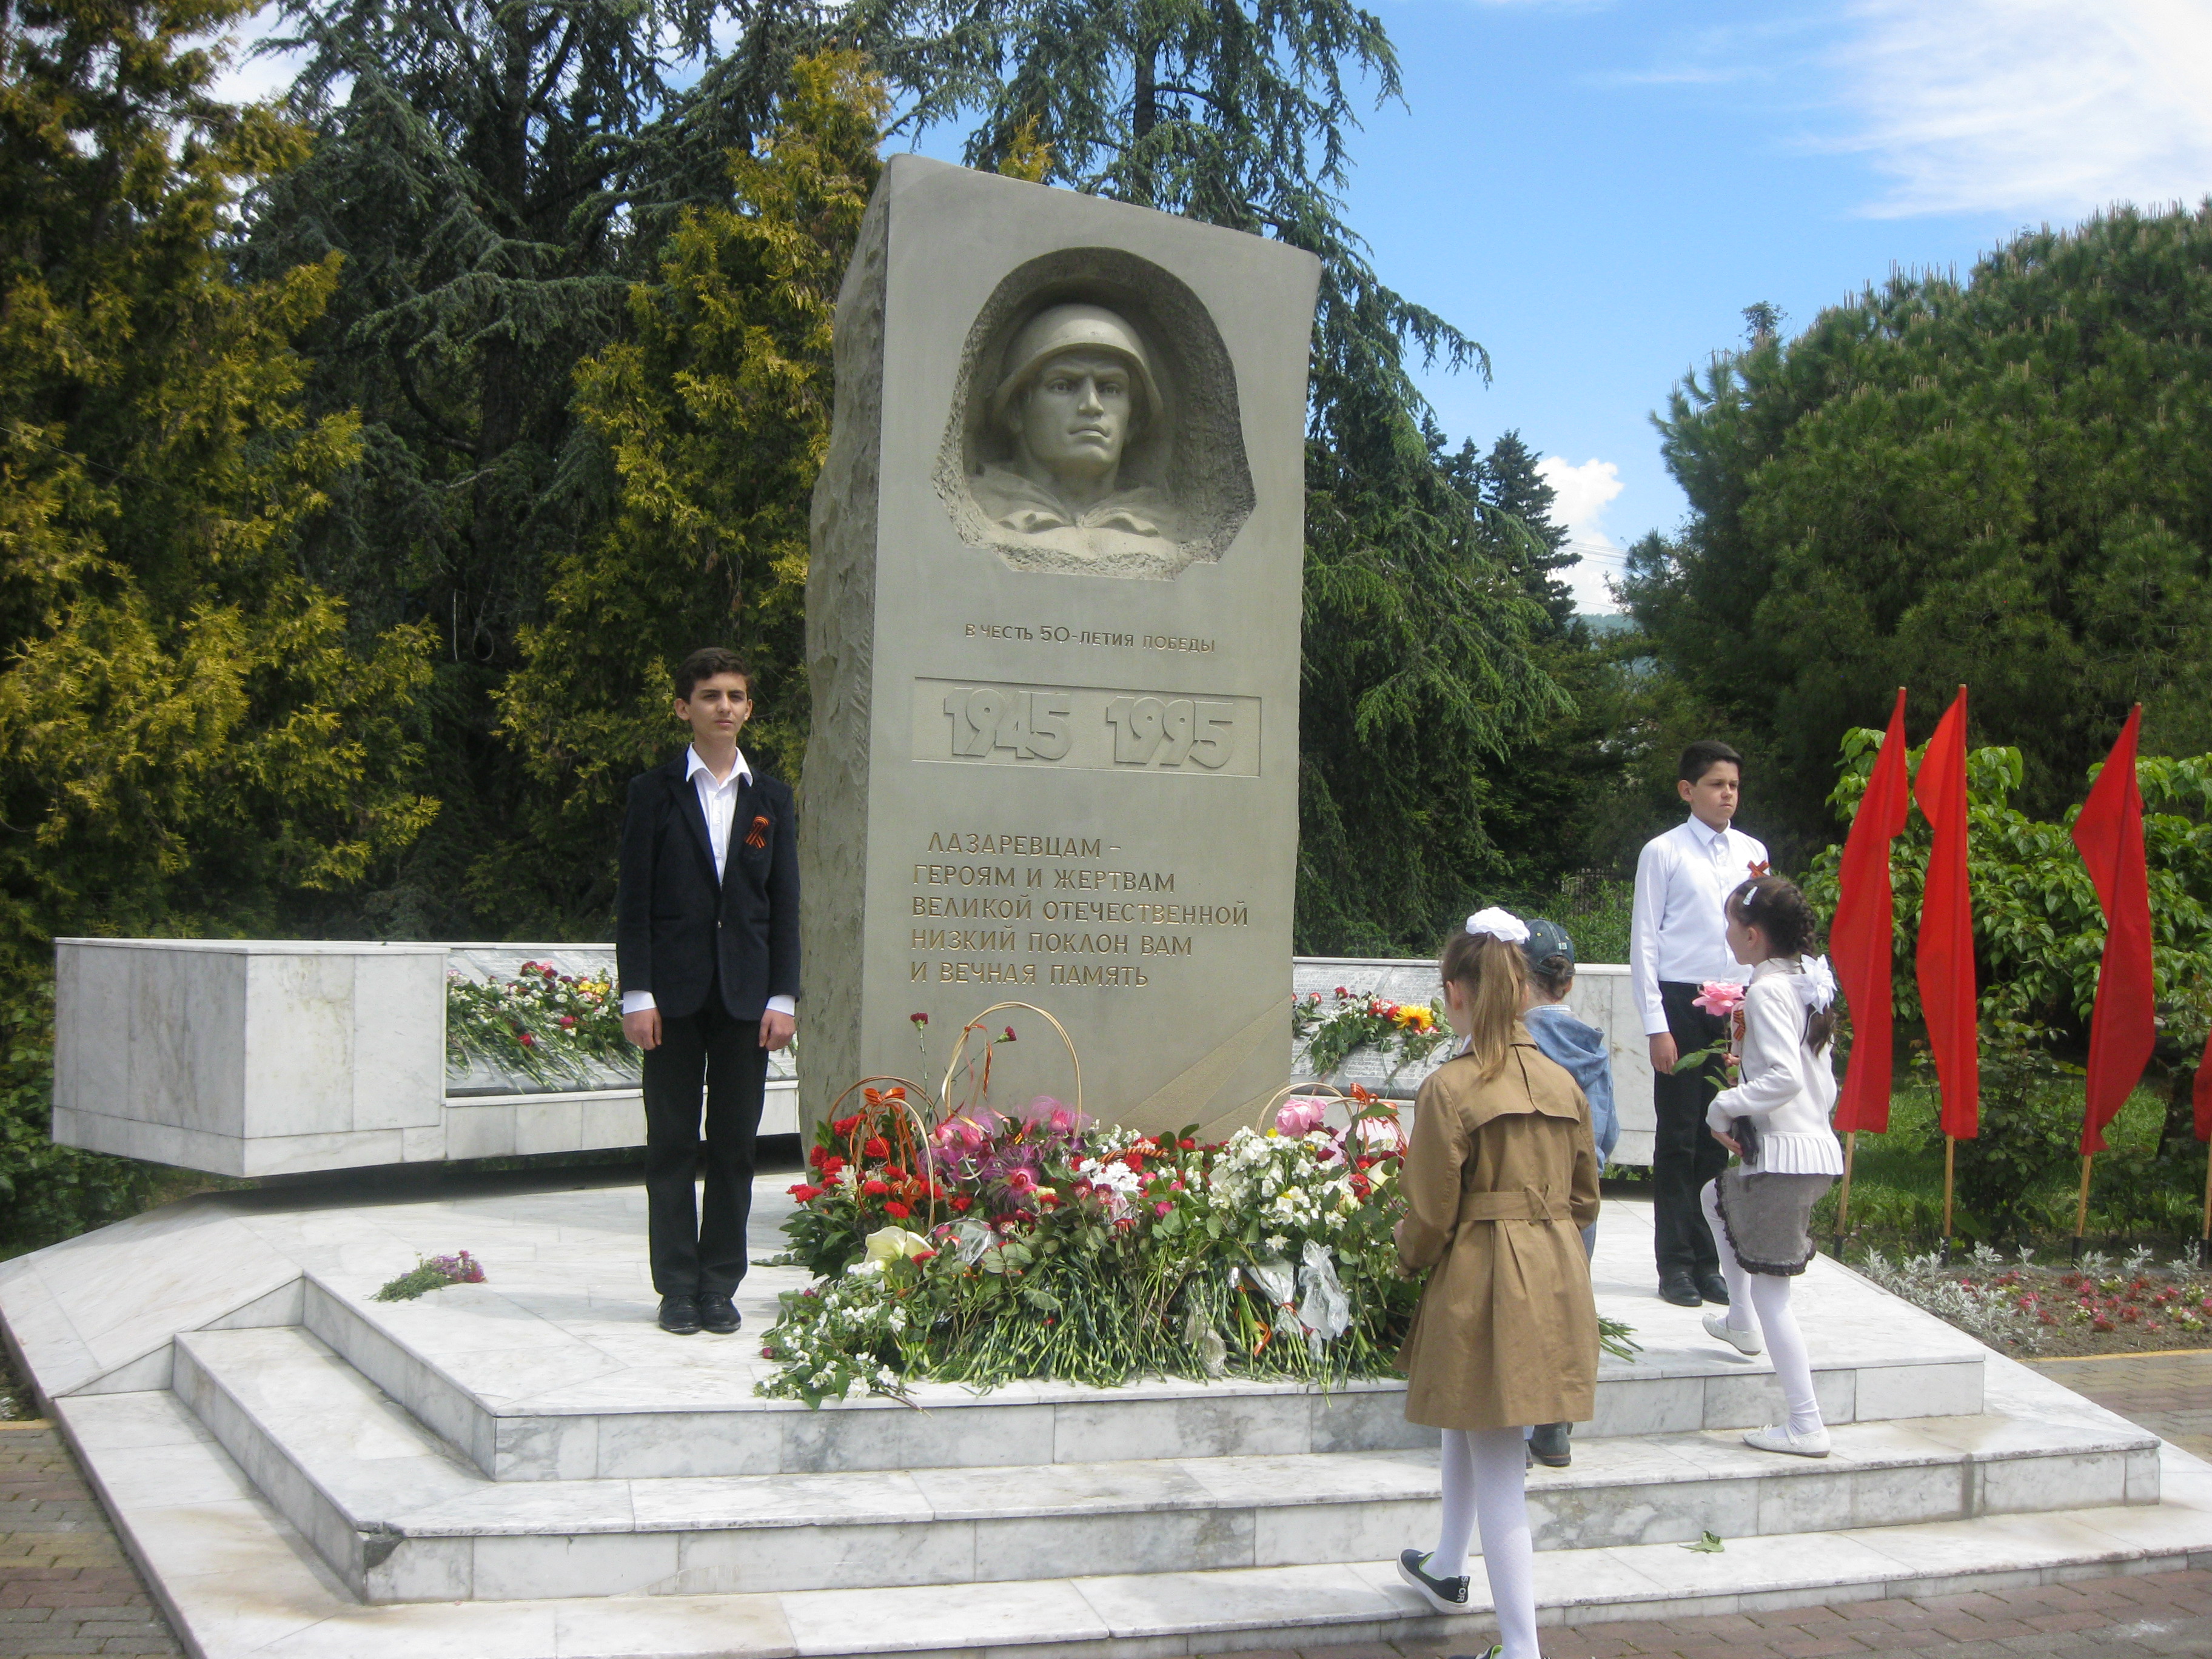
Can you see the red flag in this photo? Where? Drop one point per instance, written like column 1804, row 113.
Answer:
column 2201, row 1093
column 1864, row 933
column 2124, row 1028
column 1944, row 961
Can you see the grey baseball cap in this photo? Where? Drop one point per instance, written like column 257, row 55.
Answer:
column 1547, row 939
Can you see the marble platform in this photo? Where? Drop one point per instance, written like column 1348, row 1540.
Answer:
column 529, row 1467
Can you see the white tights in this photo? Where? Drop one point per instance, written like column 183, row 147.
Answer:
column 1485, row 1474
column 1768, row 1295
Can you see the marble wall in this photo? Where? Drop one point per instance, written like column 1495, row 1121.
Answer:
column 269, row 1057
column 251, row 1057
column 1600, row 996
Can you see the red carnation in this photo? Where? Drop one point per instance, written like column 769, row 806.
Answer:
column 830, row 1166
column 845, row 1126
column 896, row 1211
column 804, row 1194
column 875, row 1188
column 876, row 1147
column 960, row 1204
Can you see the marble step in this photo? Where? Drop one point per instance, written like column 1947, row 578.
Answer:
column 237, row 1579
column 402, row 1517
column 532, row 1389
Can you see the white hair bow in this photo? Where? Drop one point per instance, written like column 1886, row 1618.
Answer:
column 1500, row 924
column 1816, row 985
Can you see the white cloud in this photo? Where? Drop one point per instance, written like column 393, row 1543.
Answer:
column 1582, row 495
column 249, row 78
column 2048, row 107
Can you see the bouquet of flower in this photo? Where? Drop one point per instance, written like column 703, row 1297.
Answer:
column 1062, row 1248
column 551, row 1026
column 1333, row 1032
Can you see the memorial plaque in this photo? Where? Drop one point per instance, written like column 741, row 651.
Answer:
column 1052, row 625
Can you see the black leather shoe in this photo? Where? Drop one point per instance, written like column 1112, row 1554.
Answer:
column 1548, row 1445
column 679, row 1315
column 1713, row 1288
column 1680, row 1289
column 717, row 1313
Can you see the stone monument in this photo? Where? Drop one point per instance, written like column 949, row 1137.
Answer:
column 1053, row 630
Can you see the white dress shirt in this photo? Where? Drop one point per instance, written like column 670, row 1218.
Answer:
column 1789, row 1089
column 1679, row 927
column 718, row 800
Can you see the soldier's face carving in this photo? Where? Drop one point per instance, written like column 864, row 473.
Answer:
column 1072, row 426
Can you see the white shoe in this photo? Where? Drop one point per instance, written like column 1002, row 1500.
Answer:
column 1776, row 1437
column 1718, row 1328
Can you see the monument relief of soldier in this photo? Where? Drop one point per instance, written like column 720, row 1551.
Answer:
column 1077, row 390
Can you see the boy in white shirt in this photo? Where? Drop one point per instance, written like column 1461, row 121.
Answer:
column 1678, row 941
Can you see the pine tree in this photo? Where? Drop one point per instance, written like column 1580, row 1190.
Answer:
column 1418, row 668
column 187, row 739
column 2000, row 481
column 498, row 173
column 1515, row 504
column 190, row 742
column 715, row 408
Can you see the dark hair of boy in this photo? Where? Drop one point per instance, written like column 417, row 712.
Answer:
column 1776, row 906
column 1701, row 757
column 704, row 663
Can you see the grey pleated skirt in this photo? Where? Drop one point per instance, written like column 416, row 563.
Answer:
column 1768, row 1218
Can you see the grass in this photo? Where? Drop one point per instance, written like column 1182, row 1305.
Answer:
column 2135, row 1198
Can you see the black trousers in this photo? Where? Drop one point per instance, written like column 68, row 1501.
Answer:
column 701, row 1250
column 1684, row 1154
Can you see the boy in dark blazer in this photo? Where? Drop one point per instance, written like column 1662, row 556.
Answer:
column 707, row 945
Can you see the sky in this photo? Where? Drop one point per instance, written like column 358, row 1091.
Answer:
column 1596, row 189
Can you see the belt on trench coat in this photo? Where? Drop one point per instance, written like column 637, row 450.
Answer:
column 1526, row 1204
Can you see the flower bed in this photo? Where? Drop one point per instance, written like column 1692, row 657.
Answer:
column 989, row 1248
column 551, row 1027
column 2097, row 1307
column 1333, row 1033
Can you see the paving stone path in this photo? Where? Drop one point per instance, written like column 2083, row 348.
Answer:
column 67, row 1587
column 2169, row 1394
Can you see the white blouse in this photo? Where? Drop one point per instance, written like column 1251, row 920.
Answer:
column 1783, row 1083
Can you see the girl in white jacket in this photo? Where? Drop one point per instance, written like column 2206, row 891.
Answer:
column 1776, row 1121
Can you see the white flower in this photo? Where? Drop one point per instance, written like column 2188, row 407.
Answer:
column 1116, row 1177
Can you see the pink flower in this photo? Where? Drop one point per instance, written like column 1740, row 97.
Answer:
column 1162, row 1208
column 1300, row 1116
column 1718, row 996
column 1021, row 1184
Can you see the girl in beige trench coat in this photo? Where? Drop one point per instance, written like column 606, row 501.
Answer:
column 1501, row 1176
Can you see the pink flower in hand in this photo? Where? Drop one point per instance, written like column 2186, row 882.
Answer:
column 1718, row 996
